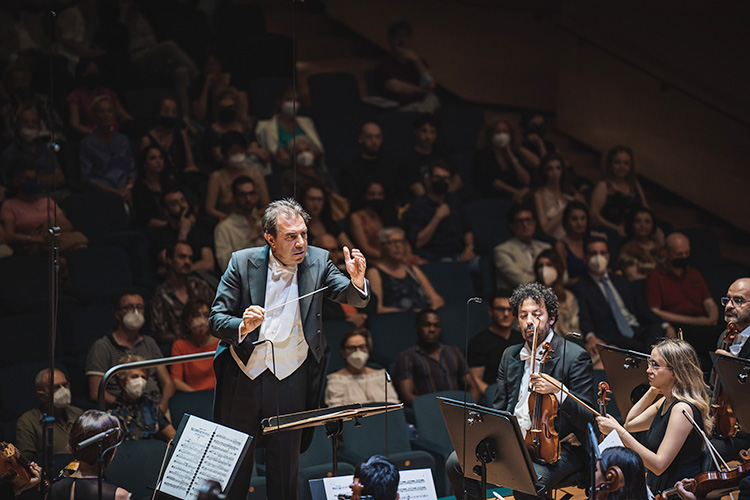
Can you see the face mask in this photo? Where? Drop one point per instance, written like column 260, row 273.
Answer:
column 28, row 134
column 305, row 159
column 439, row 187
column 357, row 359
column 681, row 263
column 199, row 323
column 134, row 387
column 226, row 115
column 133, row 320
column 598, row 264
column 289, row 107
column 548, row 274
column 167, row 121
column 536, row 128
column 500, row 139
column 61, row 398
column 30, row 187
column 237, row 160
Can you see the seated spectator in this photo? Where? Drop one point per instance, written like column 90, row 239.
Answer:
column 676, row 291
column 414, row 168
column 234, row 163
column 278, row 133
column 497, row 170
column 514, row 259
column 619, row 193
column 611, row 313
column 376, row 211
column 307, row 168
column 90, row 86
column 436, row 224
column 181, row 226
column 403, row 76
column 575, row 221
column 29, row 429
column 148, row 188
column 227, row 119
column 396, row 285
column 642, row 251
column 431, row 366
column 195, row 375
column 371, row 164
column 17, row 83
column 486, row 348
column 242, row 229
column 169, row 136
column 25, row 214
column 315, row 199
column 171, row 296
column 379, row 478
column 76, row 32
column 205, row 89
column 549, row 271
column 534, row 145
column 553, row 195
column 127, row 339
column 106, row 159
column 141, row 416
column 85, row 484
column 357, row 382
column 27, row 144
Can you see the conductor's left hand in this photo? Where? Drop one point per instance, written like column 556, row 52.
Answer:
column 356, row 265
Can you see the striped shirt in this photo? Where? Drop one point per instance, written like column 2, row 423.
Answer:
column 430, row 375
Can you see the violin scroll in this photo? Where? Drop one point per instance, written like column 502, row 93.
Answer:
column 614, row 480
column 13, row 466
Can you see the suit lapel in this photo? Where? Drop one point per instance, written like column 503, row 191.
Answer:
column 257, row 273
column 513, row 378
column 306, row 283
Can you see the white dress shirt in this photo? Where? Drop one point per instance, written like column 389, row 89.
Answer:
column 739, row 341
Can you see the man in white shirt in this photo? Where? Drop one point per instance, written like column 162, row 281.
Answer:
column 514, row 259
column 242, row 229
column 272, row 353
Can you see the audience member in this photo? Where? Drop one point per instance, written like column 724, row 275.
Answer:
column 619, row 193
column 29, row 429
column 497, row 170
column 514, row 259
column 379, row 478
column 106, row 159
column 415, row 166
column 376, row 211
column 213, row 80
column 431, row 366
column 535, row 145
column 575, row 221
column 611, row 312
column 234, row 163
column 278, row 133
column 486, row 348
column 27, row 144
column 549, row 271
column 195, row 375
column 642, row 251
column 676, row 291
column 17, row 82
column 307, row 168
column 403, row 75
column 90, row 86
column 357, row 382
column 436, row 223
column 553, row 195
column 371, row 164
column 315, row 199
column 77, row 25
column 242, row 229
column 26, row 215
column 172, row 139
column 171, row 296
column 396, row 285
column 126, row 339
column 141, row 416
column 148, row 188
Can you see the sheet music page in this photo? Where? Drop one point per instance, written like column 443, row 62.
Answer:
column 206, row 450
column 416, row 484
column 612, row 439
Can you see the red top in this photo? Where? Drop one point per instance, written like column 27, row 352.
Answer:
column 197, row 374
column 678, row 295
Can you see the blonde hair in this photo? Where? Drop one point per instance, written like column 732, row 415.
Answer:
column 688, row 385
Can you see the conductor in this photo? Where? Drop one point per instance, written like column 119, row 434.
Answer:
column 256, row 316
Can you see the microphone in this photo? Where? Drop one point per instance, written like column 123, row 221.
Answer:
column 385, row 386
column 477, row 300
column 573, row 335
column 98, row 437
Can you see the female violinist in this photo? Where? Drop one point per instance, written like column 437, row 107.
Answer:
column 16, row 474
column 631, row 465
column 671, row 449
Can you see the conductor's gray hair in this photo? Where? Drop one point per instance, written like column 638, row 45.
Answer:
column 287, row 208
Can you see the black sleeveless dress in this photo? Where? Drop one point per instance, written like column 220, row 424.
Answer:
column 86, row 489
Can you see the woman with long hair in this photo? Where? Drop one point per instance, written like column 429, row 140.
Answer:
column 499, row 170
column 375, row 211
column 575, row 221
column 633, row 471
column 642, row 251
column 549, row 271
column 671, row 449
column 553, row 194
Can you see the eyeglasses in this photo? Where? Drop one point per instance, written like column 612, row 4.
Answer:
column 352, row 348
column 736, row 300
column 133, row 307
column 655, row 366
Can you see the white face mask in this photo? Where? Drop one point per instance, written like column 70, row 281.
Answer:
column 290, row 107
column 358, row 359
column 28, row 134
column 61, row 398
column 134, row 387
column 305, row 159
column 598, row 264
column 237, row 160
column 133, row 320
column 548, row 275
column 501, row 139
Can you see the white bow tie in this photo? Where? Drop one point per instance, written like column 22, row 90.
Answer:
column 279, row 270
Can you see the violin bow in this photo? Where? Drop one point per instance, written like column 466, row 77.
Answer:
column 559, row 386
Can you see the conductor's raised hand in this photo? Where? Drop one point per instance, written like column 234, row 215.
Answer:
column 356, row 265
column 251, row 319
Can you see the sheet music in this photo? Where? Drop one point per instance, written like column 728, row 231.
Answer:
column 416, row 484
column 612, row 439
column 206, row 450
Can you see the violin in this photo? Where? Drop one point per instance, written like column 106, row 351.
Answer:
column 614, row 480
column 357, row 488
column 603, row 398
column 721, row 411
column 14, row 467
column 542, row 438
column 712, row 484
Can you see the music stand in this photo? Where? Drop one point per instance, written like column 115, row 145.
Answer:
column 626, row 373
column 496, row 451
column 333, row 418
column 734, row 374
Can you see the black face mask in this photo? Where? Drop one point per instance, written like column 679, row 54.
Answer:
column 535, row 128
column 226, row 115
column 439, row 187
column 167, row 121
column 681, row 263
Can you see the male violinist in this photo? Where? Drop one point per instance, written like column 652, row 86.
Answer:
column 536, row 308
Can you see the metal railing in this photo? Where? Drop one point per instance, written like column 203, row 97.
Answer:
column 148, row 363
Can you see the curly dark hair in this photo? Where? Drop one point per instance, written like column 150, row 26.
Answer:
column 536, row 292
